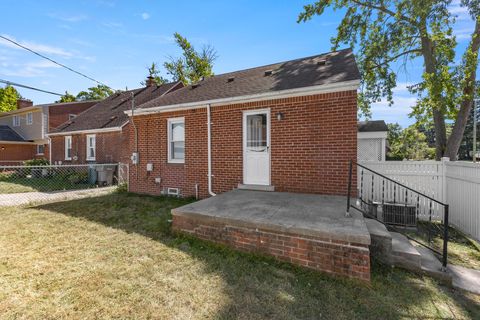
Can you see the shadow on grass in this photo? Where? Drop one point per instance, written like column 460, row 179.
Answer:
column 260, row 287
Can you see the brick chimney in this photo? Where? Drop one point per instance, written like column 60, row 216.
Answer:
column 24, row 103
column 150, row 81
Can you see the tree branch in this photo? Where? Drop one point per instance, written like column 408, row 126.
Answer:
column 385, row 10
column 377, row 65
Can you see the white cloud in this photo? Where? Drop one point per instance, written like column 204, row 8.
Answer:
column 30, row 69
column 112, row 25
column 398, row 112
column 463, row 33
column 459, row 11
column 145, row 16
column 68, row 18
column 38, row 47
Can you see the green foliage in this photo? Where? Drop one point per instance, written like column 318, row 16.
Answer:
column 99, row 92
column 67, row 97
column 385, row 33
column 193, row 65
column 36, row 162
column 8, row 98
column 155, row 74
column 407, row 144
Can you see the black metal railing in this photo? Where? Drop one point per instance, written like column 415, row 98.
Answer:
column 420, row 217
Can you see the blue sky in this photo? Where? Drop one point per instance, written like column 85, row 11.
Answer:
column 114, row 41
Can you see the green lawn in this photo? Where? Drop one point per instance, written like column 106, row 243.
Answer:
column 15, row 184
column 114, row 257
column 461, row 250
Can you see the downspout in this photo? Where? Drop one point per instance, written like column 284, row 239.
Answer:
column 50, row 150
column 135, row 135
column 209, row 151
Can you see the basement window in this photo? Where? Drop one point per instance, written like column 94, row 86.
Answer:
column 176, row 140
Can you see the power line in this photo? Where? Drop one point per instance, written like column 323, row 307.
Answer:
column 53, row 61
column 28, row 87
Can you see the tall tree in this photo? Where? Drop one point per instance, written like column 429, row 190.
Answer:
column 99, row 92
column 8, row 98
column 155, row 74
column 67, row 97
column 386, row 32
column 193, row 65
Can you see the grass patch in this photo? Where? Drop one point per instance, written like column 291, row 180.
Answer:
column 114, row 257
column 461, row 250
column 11, row 183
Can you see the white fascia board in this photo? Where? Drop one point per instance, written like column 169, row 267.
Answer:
column 17, row 142
column 372, row 135
column 324, row 88
column 69, row 133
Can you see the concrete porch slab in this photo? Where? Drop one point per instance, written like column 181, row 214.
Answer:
column 304, row 214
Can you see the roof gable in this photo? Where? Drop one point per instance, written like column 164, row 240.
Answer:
column 109, row 113
column 8, row 134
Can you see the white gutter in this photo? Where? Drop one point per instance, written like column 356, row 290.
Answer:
column 209, row 151
column 324, row 88
column 113, row 129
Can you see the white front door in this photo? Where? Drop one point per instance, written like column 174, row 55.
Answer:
column 256, row 147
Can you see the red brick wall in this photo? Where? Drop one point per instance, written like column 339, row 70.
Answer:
column 13, row 154
column 58, row 114
column 310, row 148
column 111, row 147
column 331, row 256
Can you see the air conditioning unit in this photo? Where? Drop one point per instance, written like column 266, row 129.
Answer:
column 399, row 214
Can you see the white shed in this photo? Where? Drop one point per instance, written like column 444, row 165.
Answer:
column 372, row 140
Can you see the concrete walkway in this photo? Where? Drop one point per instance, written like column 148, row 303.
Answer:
column 18, row 199
column 465, row 279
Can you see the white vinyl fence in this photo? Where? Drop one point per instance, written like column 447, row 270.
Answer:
column 453, row 183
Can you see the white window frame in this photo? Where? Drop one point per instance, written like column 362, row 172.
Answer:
column 94, row 146
column 38, row 152
column 16, row 121
column 29, row 117
column 68, row 141
column 170, row 123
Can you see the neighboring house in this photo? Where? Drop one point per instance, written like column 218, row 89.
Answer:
column 24, row 129
column 102, row 134
column 372, row 140
column 288, row 126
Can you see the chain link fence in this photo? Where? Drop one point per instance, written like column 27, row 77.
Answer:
column 43, row 183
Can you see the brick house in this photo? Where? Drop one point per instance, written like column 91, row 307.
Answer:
column 23, row 132
column 289, row 126
column 102, row 134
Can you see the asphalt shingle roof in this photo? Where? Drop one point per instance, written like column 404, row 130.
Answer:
column 109, row 113
column 8, row 134
column 339, row 66
column 372, row 126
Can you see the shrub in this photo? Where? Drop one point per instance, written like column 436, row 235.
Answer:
column 36, row 162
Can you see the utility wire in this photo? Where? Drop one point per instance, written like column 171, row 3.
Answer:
column 53, row 61
column 28, row 87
